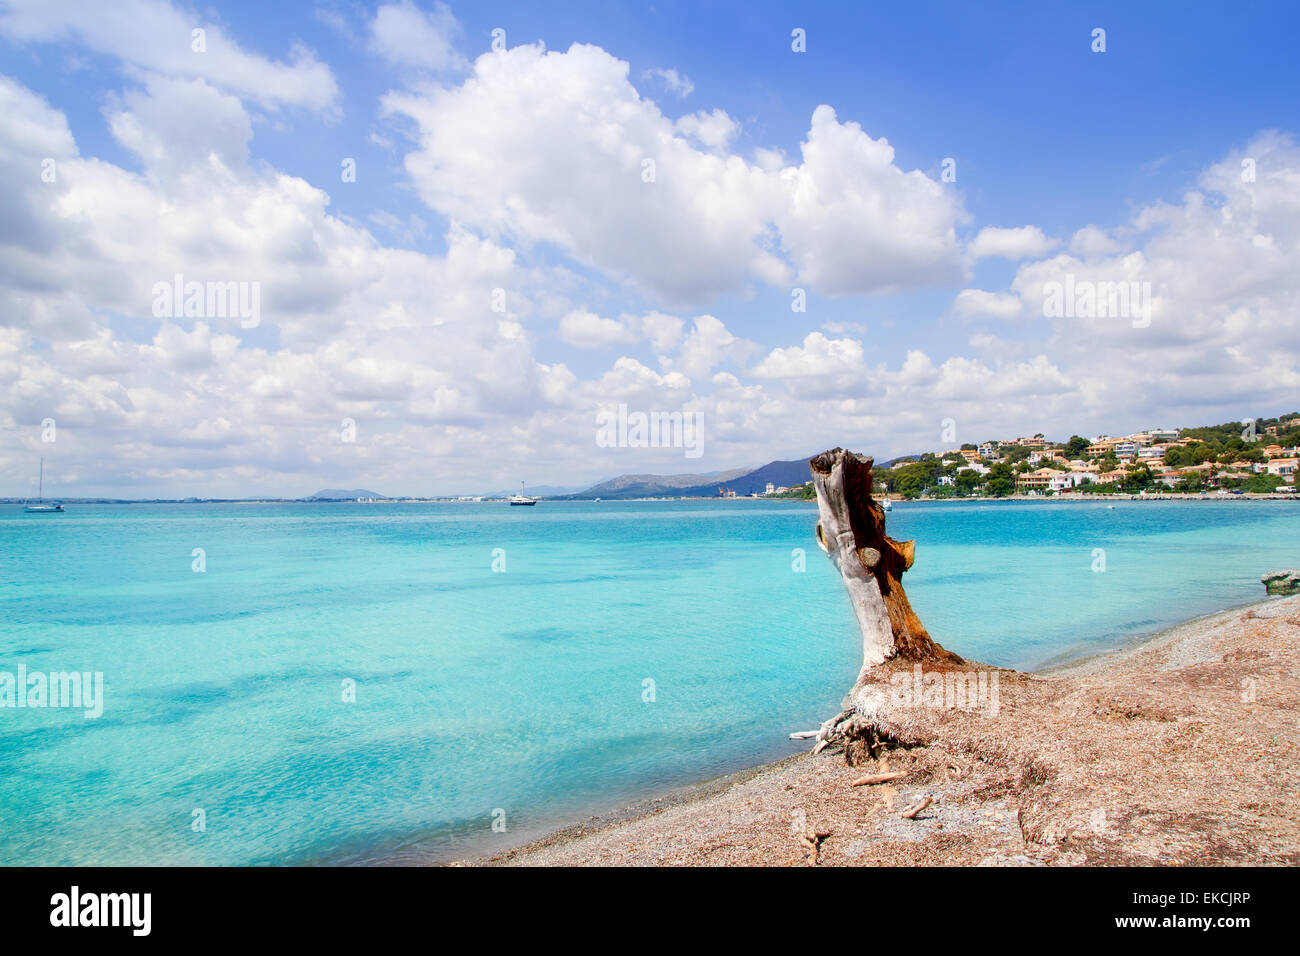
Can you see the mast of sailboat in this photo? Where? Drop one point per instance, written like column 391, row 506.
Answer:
column 40, row 489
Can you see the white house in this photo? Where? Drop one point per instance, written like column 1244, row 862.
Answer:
column 1283, row 467
column 1067, row 481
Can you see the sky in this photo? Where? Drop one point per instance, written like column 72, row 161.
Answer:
column 463, row 233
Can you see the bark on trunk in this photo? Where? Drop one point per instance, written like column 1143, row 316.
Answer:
column 851, row 530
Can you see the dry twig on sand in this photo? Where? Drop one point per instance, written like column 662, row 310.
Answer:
column 911, row 812
column 872, row 779
column 812, row 839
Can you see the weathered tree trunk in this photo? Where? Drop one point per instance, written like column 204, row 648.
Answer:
column 851, row 530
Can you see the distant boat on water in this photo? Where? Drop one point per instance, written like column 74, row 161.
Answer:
column 40, row 507
column 886, row 504
column 521, row 498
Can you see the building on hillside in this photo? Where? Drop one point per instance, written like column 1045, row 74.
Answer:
column 1047, row 454
column 1283, row 467
column 1162, row 434
column 988, row 450
column 1067, row 480
column 1038, row 480
column 1206, row 469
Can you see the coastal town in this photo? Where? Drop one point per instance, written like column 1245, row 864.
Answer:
column 1251, row 457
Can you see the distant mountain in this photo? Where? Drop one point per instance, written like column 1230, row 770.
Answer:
column 336, row 494
column 540, row 491
column 779, row 473
column 655, row 486
column 743, row 481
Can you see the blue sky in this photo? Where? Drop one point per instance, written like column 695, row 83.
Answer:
column 1046, row 134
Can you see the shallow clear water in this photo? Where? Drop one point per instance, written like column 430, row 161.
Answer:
column 515, row 695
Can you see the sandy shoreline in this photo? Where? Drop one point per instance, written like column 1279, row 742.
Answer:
column 1178, row 750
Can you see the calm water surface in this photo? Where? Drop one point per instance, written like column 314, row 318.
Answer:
column 625, row 649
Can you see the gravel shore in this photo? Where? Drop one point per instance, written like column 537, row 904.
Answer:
column 1182, row 750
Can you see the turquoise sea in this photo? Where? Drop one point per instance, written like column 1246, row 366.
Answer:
column 619, row 650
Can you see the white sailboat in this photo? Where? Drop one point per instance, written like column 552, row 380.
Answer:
column 40, row 507
column 521, row 498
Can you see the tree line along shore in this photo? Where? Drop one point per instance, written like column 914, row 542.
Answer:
column 1256, row 458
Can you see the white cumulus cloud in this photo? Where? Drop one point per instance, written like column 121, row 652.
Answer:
column 1024, row 242
column 156, row 36
column 407, row 36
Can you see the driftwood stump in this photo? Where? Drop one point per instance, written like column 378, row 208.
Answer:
column 851, row 530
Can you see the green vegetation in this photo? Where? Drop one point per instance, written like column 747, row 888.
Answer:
column 1253, row 484
column 802, row 492
column 1001, row 481
column 1139, row 479
column 1076, row 447
column 967, row 481
column 1194, row 454
column 947, row 474
column 1227, row 437
column 1014, row 454
column 910, row 480
column 1096, row 488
